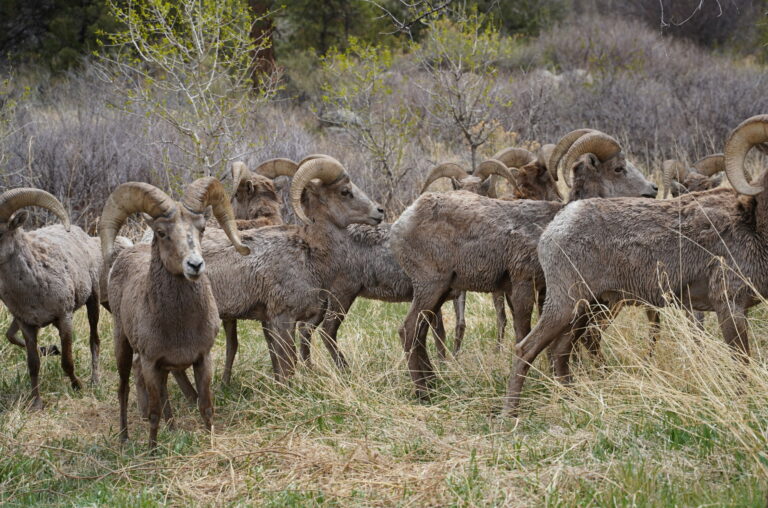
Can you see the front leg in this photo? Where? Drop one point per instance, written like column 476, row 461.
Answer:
column 202, row 370
column 733, row 323
column 64, row 325
column 33, row 363
column 92, row 306
column 230, row 331
column 10, row 334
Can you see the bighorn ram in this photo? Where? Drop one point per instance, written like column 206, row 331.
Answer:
column 161, row 298
column 285, row 279
column 706, row 250
column 45, row 276
column 704, row 175
column 462, row 241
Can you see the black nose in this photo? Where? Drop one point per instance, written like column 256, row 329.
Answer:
column 381, row 210
column 655, row 187
column 195, row 267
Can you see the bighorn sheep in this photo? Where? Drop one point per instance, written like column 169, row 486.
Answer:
column 45, row 276
column 161, row 298
column 285, row 279
column 704, row 175
column 462, row 241
column 706, row 250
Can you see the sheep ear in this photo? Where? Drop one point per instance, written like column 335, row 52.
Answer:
column 18, row 219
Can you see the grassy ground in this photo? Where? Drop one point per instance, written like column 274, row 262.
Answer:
column 686, row 427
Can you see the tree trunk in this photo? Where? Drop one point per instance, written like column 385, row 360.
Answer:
column 261, row 33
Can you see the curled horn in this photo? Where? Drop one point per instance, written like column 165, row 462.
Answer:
column 545, row 154
column 444, row 170
column 14, row 199
column 514, row 157
column 561, row 148
column 598, row 143
column 240, row 173
column 277, row 167
column 209, row 191
column 494, row 167
column 127, row 199
column 672, row 169
column 317, row 156
column 711, row 164
column 749, row 133
column 327, row 170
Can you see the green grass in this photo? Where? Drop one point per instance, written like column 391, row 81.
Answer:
column 687, row 427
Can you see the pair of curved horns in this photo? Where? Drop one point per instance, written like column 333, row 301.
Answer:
column 751, row 132
column 271, row 168
column 577, row 143
column 15, row 199
column 141, row 197
column 322, row 167
column 492, row 166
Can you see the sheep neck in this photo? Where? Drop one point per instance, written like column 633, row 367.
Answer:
column 164, row 287
column 18, row 271
column 322, row 236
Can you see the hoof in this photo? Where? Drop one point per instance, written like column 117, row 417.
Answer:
column 76, row 384
column 36, row 404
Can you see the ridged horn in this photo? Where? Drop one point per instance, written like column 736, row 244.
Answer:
column 598, row 143
column 495, row 167
column 672, row 169
column 277, row 167
column 514, row 157
column 14, row 199
column 327, row 169
column 561, row 148
column 240, row 172
column 127, row 199
column 209, row 191
column 545, row 154
column 444, row 170
column 711, row 164
column 316, row 156
column 749, row 133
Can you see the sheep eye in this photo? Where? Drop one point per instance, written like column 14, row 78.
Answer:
column 619, row 169
column 346, row 193
column 161, row 234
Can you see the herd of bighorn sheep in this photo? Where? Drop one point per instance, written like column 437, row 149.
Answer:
column 295, row 243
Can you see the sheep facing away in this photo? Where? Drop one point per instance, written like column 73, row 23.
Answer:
column 462, row 241
column 45, row 276
column 161, row 298
column 705, row 174
column 704, row 250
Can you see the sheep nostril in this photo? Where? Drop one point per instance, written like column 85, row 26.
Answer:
column 195, row 267
column 381, row 210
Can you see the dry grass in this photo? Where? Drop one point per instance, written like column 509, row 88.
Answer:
column 687, row 426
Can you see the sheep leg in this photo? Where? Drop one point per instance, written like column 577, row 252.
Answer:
column 92, row 305
column 230, row 330
column 334, row 316
column 64, row 325
column 305, row 338
column 551, row 326
column 185, row 385
column 284, row 348
column 654, row 320
column 501, row 318
column 266, row 326
column 459, row 305
column 33, row 363
column 153, row 379
column 521, row 301
column 413, row 334
column 438, row 330
column 141, row 389
column 124, row 359
column 10, row 334
column 203, row 375
column 561, row 350
column 734, row 326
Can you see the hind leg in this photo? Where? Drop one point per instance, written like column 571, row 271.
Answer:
column 10, row 334
column 33, row 363
column 92, row 305
column 552, row 325
column 64, row 325
column 438, row 331
column 230, row 331
column 282, row 347
column 521, row 300
column 459, row 306
column 124, row 359
column 501, row 317
column 334, row 317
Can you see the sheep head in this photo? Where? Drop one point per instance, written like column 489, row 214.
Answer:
column 322, row 187
column 704, row 175
column 177, row 226
column 482, row 182
column 749, row 133
column 11, row 201
column 255, row 194
column 597, row 163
